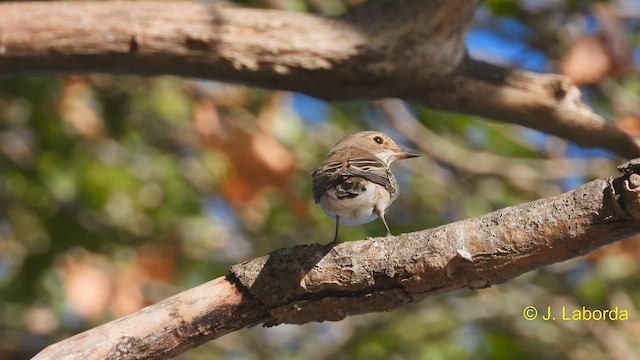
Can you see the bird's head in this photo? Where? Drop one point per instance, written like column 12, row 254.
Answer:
column 377, row 143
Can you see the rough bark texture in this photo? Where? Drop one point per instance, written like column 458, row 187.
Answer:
column 409, row 49
column 326, row 282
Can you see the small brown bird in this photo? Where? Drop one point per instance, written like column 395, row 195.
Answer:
column 355, row 185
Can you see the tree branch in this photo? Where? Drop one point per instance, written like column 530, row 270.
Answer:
column 409, row 49
column 546, row 102
column 275, row 49
column 325, row 282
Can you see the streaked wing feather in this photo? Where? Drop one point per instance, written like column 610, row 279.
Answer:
column 326, row 176
column 373, row 170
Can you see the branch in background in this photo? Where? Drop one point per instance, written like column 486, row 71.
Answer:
column 346, row 57
column 519, row 172
column 549, row 103
column 410, row 49
column 326, row 282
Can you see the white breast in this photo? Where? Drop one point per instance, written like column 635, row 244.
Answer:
column 357, row 210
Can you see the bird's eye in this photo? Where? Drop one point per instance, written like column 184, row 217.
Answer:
column 378, row 139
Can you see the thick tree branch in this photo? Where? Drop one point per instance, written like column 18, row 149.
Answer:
column 409, row 49
column 347, row 57
column 325, row 282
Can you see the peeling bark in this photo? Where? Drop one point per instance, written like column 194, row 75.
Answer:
column 326, row 282
column 408, row 49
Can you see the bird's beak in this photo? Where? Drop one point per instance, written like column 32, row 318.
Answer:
column 405, row 155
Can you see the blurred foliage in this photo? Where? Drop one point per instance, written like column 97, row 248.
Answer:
column 116, row 192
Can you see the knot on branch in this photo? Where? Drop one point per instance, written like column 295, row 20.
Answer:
column 629, row 188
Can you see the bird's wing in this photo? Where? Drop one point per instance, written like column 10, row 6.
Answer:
column 372, row 169
column 335, row 172
column 325, row 177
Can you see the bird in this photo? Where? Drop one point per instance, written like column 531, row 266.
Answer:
column 355, row 185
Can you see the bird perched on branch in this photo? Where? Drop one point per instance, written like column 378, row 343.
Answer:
column 355, row 185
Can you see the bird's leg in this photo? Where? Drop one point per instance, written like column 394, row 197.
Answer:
column 380, row 214
column 335, row 236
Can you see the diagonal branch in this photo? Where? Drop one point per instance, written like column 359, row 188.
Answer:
column 409, row 49
column 545, row 102
column 325, row 282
